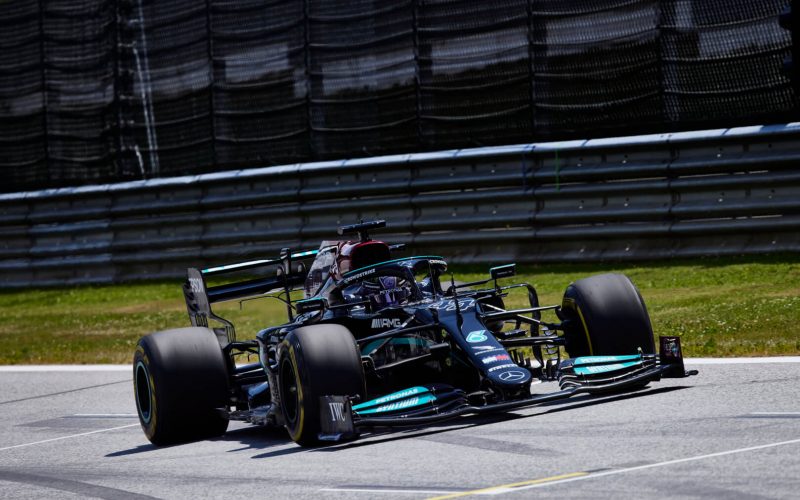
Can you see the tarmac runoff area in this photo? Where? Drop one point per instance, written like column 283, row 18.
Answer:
column 731, row 432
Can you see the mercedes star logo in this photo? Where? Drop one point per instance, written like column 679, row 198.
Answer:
column 512, row 375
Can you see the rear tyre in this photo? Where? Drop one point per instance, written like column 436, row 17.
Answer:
column 316, row 361
column 606, row 316
column 180, row 378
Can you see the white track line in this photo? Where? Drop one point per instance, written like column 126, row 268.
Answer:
column 388, row 490
column 67, row 437
column 567, row 478
column 648, row 466
column 741, row 361
column 66, row 368
column 103, row 415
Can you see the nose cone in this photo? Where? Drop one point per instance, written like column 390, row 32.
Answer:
column 498, row 366
column 510, row 376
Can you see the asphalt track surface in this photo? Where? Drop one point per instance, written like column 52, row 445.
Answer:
column 731, row 432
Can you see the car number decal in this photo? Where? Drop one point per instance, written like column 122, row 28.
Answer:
column 476, row 336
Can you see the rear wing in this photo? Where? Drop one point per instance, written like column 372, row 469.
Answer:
column 199, row 296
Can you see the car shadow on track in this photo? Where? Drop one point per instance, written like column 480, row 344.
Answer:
column 252, row 437
column 263, row 438
column 375, row 436
column 142, row 448
column 591, row 400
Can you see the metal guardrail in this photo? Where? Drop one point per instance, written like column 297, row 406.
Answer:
column 710, row 192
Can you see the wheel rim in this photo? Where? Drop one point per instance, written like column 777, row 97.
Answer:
column 288, row 384
column 143, row 394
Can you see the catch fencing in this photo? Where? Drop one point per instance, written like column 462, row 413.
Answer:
column 713, row 192
column 111, row 90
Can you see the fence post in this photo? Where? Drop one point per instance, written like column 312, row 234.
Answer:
column 120, row 168
column 417, row 83
column 211, row 76
column 309, row 101
column 531, row 71
column 45, row 103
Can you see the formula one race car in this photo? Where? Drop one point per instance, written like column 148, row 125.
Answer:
column 384, row 341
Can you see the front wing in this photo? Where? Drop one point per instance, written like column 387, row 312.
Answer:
column 422, row 405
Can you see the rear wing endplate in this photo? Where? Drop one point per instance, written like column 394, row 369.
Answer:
column 199, row 296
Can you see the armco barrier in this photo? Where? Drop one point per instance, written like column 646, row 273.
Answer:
column 710, row 192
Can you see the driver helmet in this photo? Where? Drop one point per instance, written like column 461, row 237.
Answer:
column 355, row 255
column 381, row 291
column 389, row 294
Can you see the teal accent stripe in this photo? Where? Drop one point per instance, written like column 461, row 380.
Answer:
column 595, row 369
column 593, row 360
column 304, row 254
column 405, row 393
column 400, row 405
column 228, row 267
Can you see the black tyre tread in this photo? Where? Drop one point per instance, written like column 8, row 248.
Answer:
column 327, row 362
column 189, row 380
column 609, row 317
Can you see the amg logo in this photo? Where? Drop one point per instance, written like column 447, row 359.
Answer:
column 386, row 323
column 337, row 412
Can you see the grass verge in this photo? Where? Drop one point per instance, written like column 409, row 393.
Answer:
column 744, row 306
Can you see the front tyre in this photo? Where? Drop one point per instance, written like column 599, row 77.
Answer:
column 180, row 378
column 607, row 316
column 316, row 361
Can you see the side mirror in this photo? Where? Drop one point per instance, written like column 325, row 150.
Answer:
column 505, row 271
column 310, row 305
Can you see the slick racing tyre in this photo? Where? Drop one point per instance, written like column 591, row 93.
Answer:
column 180, row 378
column 606, row 316
column 316, row 361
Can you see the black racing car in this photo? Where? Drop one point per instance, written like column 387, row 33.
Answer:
column 380, row 340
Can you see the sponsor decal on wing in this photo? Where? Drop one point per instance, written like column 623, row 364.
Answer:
column 337, row 411
column 501, row 367
column 196, row 284
column 589, row 360
column 391, row 397
column 401, row 405
column 595, row 369
column 493, row 359
column 483, row 349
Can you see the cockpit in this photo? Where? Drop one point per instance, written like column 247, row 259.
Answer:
column 364, row 274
